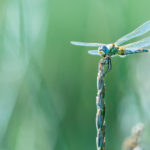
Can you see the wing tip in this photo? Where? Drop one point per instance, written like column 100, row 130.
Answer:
column 74, row 42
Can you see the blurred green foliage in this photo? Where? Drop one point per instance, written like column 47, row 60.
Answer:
column 48, row 86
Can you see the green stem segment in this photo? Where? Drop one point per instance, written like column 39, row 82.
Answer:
column 100, row 115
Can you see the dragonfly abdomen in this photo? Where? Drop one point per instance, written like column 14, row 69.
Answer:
column 136, row 51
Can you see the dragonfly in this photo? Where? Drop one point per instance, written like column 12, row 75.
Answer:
column 107, row 51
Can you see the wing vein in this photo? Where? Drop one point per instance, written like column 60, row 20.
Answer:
column 135, row 33
column 139, row 44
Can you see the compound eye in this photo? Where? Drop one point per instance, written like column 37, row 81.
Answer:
column 105, row 50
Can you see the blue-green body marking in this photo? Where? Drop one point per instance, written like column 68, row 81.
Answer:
column 136, row 51
column 114, row 50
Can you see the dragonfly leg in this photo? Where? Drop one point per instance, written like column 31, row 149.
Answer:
column 109, row 65
column 106, row 62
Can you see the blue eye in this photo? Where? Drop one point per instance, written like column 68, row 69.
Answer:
column 105, row 50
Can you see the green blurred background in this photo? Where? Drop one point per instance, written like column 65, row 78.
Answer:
column 48, row 86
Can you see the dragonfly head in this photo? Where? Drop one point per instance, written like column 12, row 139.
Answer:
column 103, row 50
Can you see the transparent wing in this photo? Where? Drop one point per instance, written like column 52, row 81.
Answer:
column 93, row 52
column 87, row 44
column 139, row 44
column 137, row 32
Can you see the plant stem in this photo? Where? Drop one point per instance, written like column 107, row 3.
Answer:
column 100, row 115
